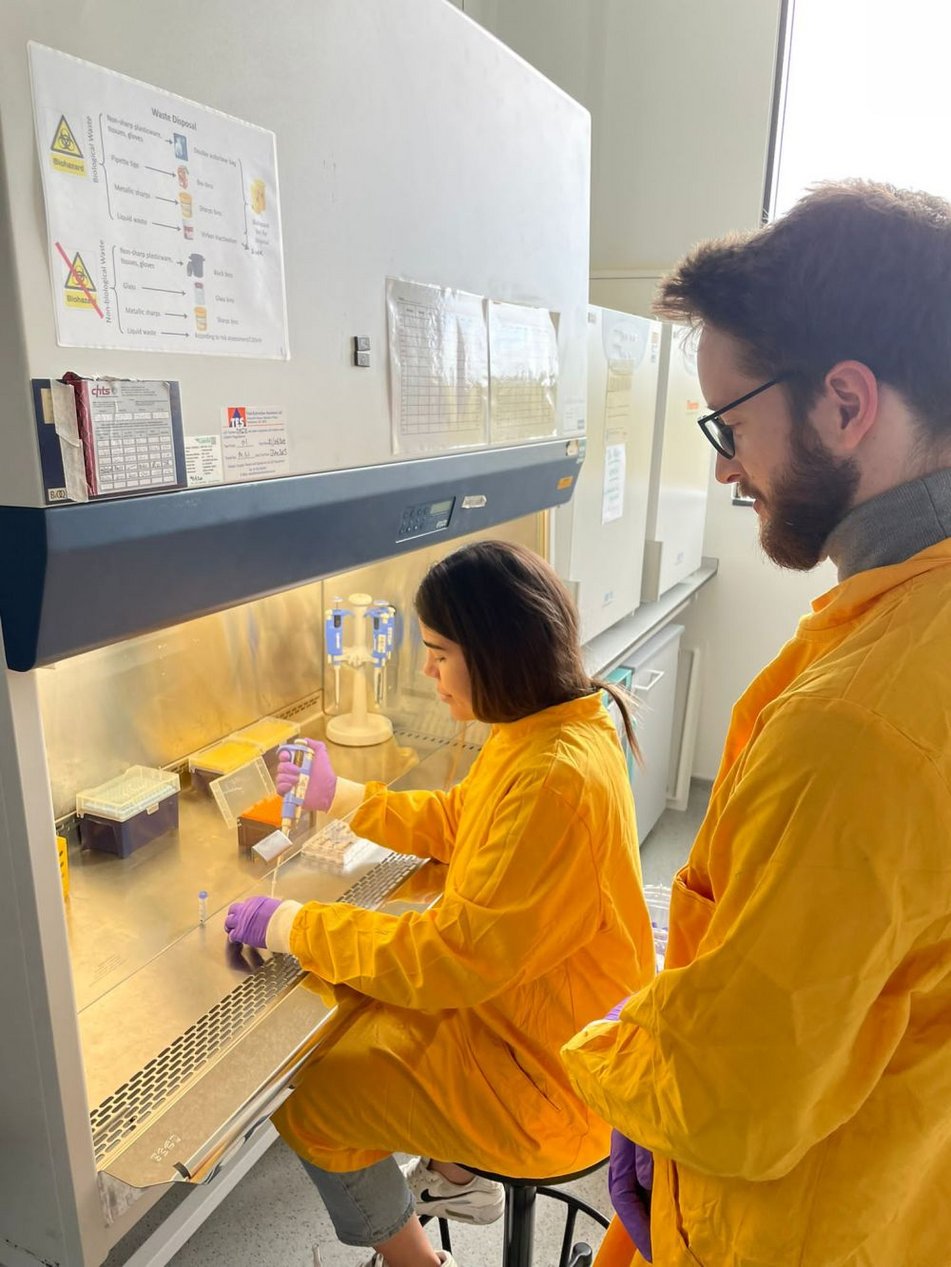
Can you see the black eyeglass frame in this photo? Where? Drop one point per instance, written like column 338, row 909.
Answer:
column 721, row 436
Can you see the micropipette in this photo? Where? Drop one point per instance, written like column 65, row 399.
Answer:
column 302, row 756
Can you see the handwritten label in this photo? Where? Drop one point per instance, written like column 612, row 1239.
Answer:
column 253, row 443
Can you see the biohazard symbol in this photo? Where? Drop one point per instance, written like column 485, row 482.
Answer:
column 80, row 288
column 65, row 154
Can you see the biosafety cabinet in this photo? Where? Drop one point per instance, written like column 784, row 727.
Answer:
column 292, row 302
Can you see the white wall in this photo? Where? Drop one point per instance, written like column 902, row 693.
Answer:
column 680, row 95
column 741, row 619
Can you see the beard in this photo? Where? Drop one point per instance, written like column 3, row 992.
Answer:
column 808, row 500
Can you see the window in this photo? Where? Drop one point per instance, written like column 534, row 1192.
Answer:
column 866, row 94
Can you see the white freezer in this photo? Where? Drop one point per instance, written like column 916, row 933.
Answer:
column 680, row 480
column 600, row 533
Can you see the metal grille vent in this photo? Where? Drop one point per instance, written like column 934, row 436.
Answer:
column 127, row 1108
column 377, row 885
column 306, row 705
column 419, row 736
column 124, row 1111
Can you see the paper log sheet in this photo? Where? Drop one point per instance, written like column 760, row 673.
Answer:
column 523, row 365
column 439, row 367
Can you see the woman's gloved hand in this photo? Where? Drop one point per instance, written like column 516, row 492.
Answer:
column 247, row 921
column 630, row 1179
column 323, row 780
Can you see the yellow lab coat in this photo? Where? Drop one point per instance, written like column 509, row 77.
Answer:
column 541, row 928
column 791, row 1066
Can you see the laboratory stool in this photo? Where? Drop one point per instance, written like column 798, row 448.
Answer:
column 519, row 1228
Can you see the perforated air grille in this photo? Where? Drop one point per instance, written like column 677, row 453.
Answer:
column 128, row 1107
column 378, row 884
column 309, row 704
column 435, row 741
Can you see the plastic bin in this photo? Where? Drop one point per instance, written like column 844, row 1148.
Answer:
column 658, row 906
column 268, row 735
column 129, row 811
column 220, row 758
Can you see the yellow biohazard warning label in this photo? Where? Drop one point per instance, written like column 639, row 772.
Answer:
column 80, row 289
column 65, row 154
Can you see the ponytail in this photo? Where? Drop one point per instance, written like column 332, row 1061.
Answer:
column 627, row 706
column 518, row 628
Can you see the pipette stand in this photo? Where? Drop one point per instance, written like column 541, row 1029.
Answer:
column 359, row 728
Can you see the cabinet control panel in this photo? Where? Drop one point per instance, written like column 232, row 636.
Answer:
column 425, row 518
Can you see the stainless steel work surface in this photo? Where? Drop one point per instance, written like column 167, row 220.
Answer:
column 181, row 1115
column 123, row 912
column 181, row 1002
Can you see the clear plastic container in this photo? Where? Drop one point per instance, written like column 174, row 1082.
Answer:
column 658, row 906
column 239, row 789
column 337, row 849
column 127, row 812
column 248, row 802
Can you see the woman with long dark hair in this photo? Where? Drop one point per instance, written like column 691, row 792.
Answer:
column 541, row 928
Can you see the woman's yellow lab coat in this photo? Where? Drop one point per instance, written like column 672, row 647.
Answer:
column 541, row 928
column 791, row 1066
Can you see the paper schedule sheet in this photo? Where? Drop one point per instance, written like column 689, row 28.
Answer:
column 439, row 367
column 523, row 368
column 466, row 371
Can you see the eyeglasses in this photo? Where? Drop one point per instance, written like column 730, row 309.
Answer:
column 716, row 430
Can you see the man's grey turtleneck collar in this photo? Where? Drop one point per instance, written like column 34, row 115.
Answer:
column 893, row 526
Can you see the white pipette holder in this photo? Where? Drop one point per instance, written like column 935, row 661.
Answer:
column 359, row 728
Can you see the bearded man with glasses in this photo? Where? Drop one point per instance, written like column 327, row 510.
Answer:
column 790, row 1069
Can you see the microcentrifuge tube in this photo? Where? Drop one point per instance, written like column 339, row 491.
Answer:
column 202, row 906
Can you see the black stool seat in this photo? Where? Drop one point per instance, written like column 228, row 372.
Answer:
column 519, row 1234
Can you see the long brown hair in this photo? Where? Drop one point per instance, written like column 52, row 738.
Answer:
column 514, row 619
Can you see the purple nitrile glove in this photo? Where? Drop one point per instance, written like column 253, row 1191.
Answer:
column 247, row 921
column 615, row 1012
column 630, row 1179
column 323, row 781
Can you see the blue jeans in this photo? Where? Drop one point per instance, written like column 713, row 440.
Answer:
column 366, row 1206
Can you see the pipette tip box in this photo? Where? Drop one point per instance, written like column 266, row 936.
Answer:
column 260, row 820
column 269, row 735
column 219, row 759
column 129, row 811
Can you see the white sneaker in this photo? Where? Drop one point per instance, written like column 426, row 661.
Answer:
column 378, row 1260
column 478, row 1201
